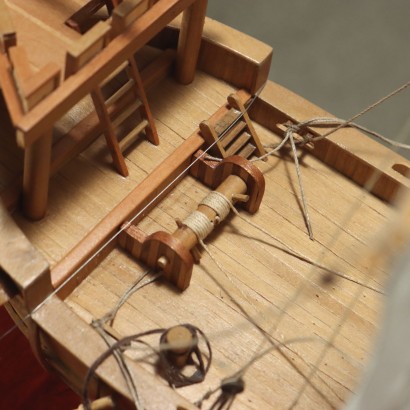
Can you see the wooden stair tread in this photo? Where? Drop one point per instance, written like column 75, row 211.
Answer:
column 131, row 136
column 120, row 92
column 232, row 133
column 238, row 144
column 114, row 74
column 222, row 124
column 247, row 150
column 123, row 115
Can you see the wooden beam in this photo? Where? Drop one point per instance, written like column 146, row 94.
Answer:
column 21, row 263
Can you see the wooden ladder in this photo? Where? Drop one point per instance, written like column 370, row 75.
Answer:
column 78, row 56
column 138, row 104
column 239, row 138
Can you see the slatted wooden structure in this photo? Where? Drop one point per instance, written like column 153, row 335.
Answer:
column 88, row 47
column 232, row 132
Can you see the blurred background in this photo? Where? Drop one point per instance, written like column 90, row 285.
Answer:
column 340, row 55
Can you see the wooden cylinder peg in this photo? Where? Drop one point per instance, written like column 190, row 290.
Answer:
column 178, row 343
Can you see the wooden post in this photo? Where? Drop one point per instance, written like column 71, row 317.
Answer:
column 37, row 161
column 190, row 41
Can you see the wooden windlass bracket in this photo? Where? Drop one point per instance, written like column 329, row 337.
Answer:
column 235, row 180
column 230, row 131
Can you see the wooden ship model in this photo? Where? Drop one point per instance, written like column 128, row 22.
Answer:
column 138, row 234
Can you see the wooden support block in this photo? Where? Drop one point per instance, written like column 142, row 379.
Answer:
column 21, row 66
column 180, row 262
column 84, row 50
column 189, row 42
column 23, row 265
column 84, row 19
column 126, row 13
column 40, row 85
column 33, row 87
column 7, row 32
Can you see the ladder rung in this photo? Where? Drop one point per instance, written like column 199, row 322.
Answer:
column 126, row 113
column 120, row 92
column 120, row 68
column 226, row 121
column 238, row 144
column 131, row 136
column 232, row 133
column 247, row 150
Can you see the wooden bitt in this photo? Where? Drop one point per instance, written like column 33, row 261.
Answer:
column 178, row 342
column 175, row 254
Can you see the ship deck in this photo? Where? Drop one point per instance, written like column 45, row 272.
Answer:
column 285, row 295
column 259, row 274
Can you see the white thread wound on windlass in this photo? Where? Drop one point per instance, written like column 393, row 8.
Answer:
column 199, row 224
column 219, row 203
